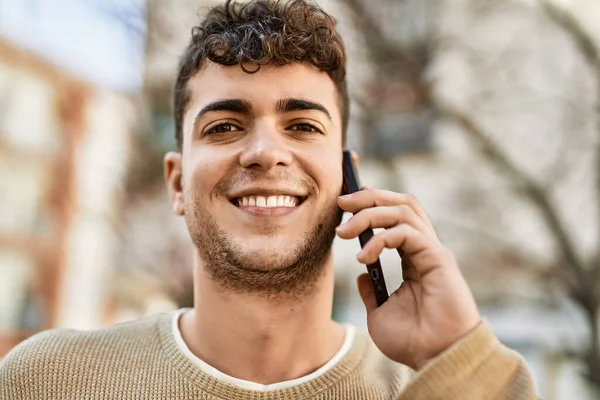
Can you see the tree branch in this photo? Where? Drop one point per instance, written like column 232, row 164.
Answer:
column 533, row 190
column 588, row 47
column 381, row 48
column 591, row 52
column 581, row 279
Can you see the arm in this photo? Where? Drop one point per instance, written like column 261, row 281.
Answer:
column 476, row 367
column 431, row 322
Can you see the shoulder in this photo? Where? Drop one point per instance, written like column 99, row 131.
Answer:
column 62, row 354
column 57, row 342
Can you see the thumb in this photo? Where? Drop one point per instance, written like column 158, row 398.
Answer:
column 365, row 289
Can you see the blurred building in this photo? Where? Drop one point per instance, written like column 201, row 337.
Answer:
column 64, row 146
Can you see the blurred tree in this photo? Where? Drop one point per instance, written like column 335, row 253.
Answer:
column 584, row 286
column 157, row 260
column 406, row 41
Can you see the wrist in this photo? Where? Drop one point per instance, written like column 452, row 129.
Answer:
column 421, row 361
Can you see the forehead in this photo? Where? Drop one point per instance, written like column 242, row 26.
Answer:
column 263, row 88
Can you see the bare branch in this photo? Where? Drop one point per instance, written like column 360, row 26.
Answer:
column 382, row 48
column 383, row 51
column 588, row 47
column 591, row 52
column 579, row 278
column 533, row 190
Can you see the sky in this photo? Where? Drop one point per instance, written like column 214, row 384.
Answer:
column 98, row 41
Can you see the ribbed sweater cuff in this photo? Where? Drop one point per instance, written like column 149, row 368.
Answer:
column 467, row 365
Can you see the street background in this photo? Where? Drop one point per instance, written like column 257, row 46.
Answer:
column 487, row 111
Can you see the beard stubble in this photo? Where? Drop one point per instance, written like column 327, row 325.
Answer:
column 293, row 273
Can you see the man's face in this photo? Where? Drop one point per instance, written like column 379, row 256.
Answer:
column 260, row 174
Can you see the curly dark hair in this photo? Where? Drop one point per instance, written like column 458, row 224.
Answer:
column 263, row 32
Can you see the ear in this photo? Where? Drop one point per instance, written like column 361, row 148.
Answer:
column 173, row 179
column 355, row 158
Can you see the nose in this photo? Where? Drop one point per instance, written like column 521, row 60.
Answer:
column 265, row 149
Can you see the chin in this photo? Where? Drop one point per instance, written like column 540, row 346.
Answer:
column 269, row 253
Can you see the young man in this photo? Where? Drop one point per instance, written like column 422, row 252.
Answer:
column 261, row 111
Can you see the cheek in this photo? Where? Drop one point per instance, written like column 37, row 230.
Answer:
column 327, row 171
column 335, row 180
column 201, row 175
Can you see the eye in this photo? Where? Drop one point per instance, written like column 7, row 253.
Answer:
column 222, row 128
column 306, row 127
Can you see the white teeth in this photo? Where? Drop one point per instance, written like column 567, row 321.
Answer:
column 268, row 201
column 280, row 201
column 272, row 201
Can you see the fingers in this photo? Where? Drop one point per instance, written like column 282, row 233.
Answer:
column 408, row 230
column 365, row 289
column 423, row 253
column 355, row 158
column 409, row 273
column 368, row 198
column 383, row 217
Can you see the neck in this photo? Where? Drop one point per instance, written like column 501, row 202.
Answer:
column 255, row 338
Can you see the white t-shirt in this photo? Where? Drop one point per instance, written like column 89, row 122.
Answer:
column 348, row 340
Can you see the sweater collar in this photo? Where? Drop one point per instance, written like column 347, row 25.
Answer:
column 342, row 364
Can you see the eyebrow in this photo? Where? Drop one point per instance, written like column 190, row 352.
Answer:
column 244, row 107
column 290, row 105
column 238, row 106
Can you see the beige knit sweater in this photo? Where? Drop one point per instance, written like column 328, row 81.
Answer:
column 141, row 360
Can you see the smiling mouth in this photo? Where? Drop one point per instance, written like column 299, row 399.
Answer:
column 278, row 201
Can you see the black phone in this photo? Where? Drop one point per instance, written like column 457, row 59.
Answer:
column 351, row 185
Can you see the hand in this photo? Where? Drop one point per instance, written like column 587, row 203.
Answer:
column 434, row 307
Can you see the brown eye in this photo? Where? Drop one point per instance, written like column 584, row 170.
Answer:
column 305, row 127
column 222, row 128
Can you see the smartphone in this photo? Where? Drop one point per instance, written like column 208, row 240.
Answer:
column 351, row 185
